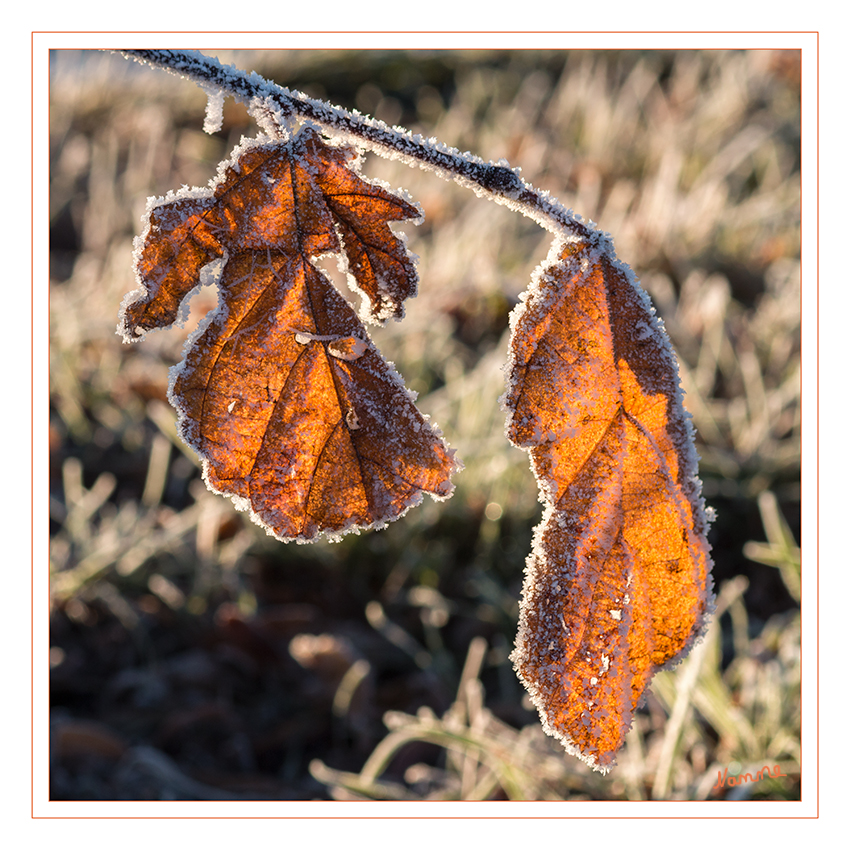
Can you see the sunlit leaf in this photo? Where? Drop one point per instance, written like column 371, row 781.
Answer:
column 282, row 393
column 618, row 585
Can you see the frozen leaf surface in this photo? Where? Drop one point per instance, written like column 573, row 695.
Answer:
column 617, row 585
column 293, row 410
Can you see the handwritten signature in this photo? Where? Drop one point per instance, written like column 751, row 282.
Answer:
column 740, row 779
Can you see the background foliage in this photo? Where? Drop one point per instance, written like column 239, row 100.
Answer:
column 195, row 658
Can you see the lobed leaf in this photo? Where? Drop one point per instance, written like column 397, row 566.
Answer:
column 295, row 413
column 617, row 585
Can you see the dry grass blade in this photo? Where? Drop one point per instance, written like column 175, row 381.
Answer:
column 484, row 758
column 781, row 550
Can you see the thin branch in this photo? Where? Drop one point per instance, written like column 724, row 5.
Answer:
column 495, row 181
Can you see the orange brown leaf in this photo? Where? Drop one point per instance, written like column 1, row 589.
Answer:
column 295, row 413
column 294, row 198
column 618, row 584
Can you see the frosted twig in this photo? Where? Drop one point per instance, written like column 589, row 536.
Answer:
column 495, row 181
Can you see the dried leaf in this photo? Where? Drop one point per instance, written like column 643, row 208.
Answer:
column 291, row 198
column 295, row 413
column 618, row 585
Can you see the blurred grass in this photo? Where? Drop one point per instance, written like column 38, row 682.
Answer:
column 194, row 657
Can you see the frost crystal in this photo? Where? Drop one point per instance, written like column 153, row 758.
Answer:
column 214, row 117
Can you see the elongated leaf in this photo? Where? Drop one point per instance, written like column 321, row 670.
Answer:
column 618, row 585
